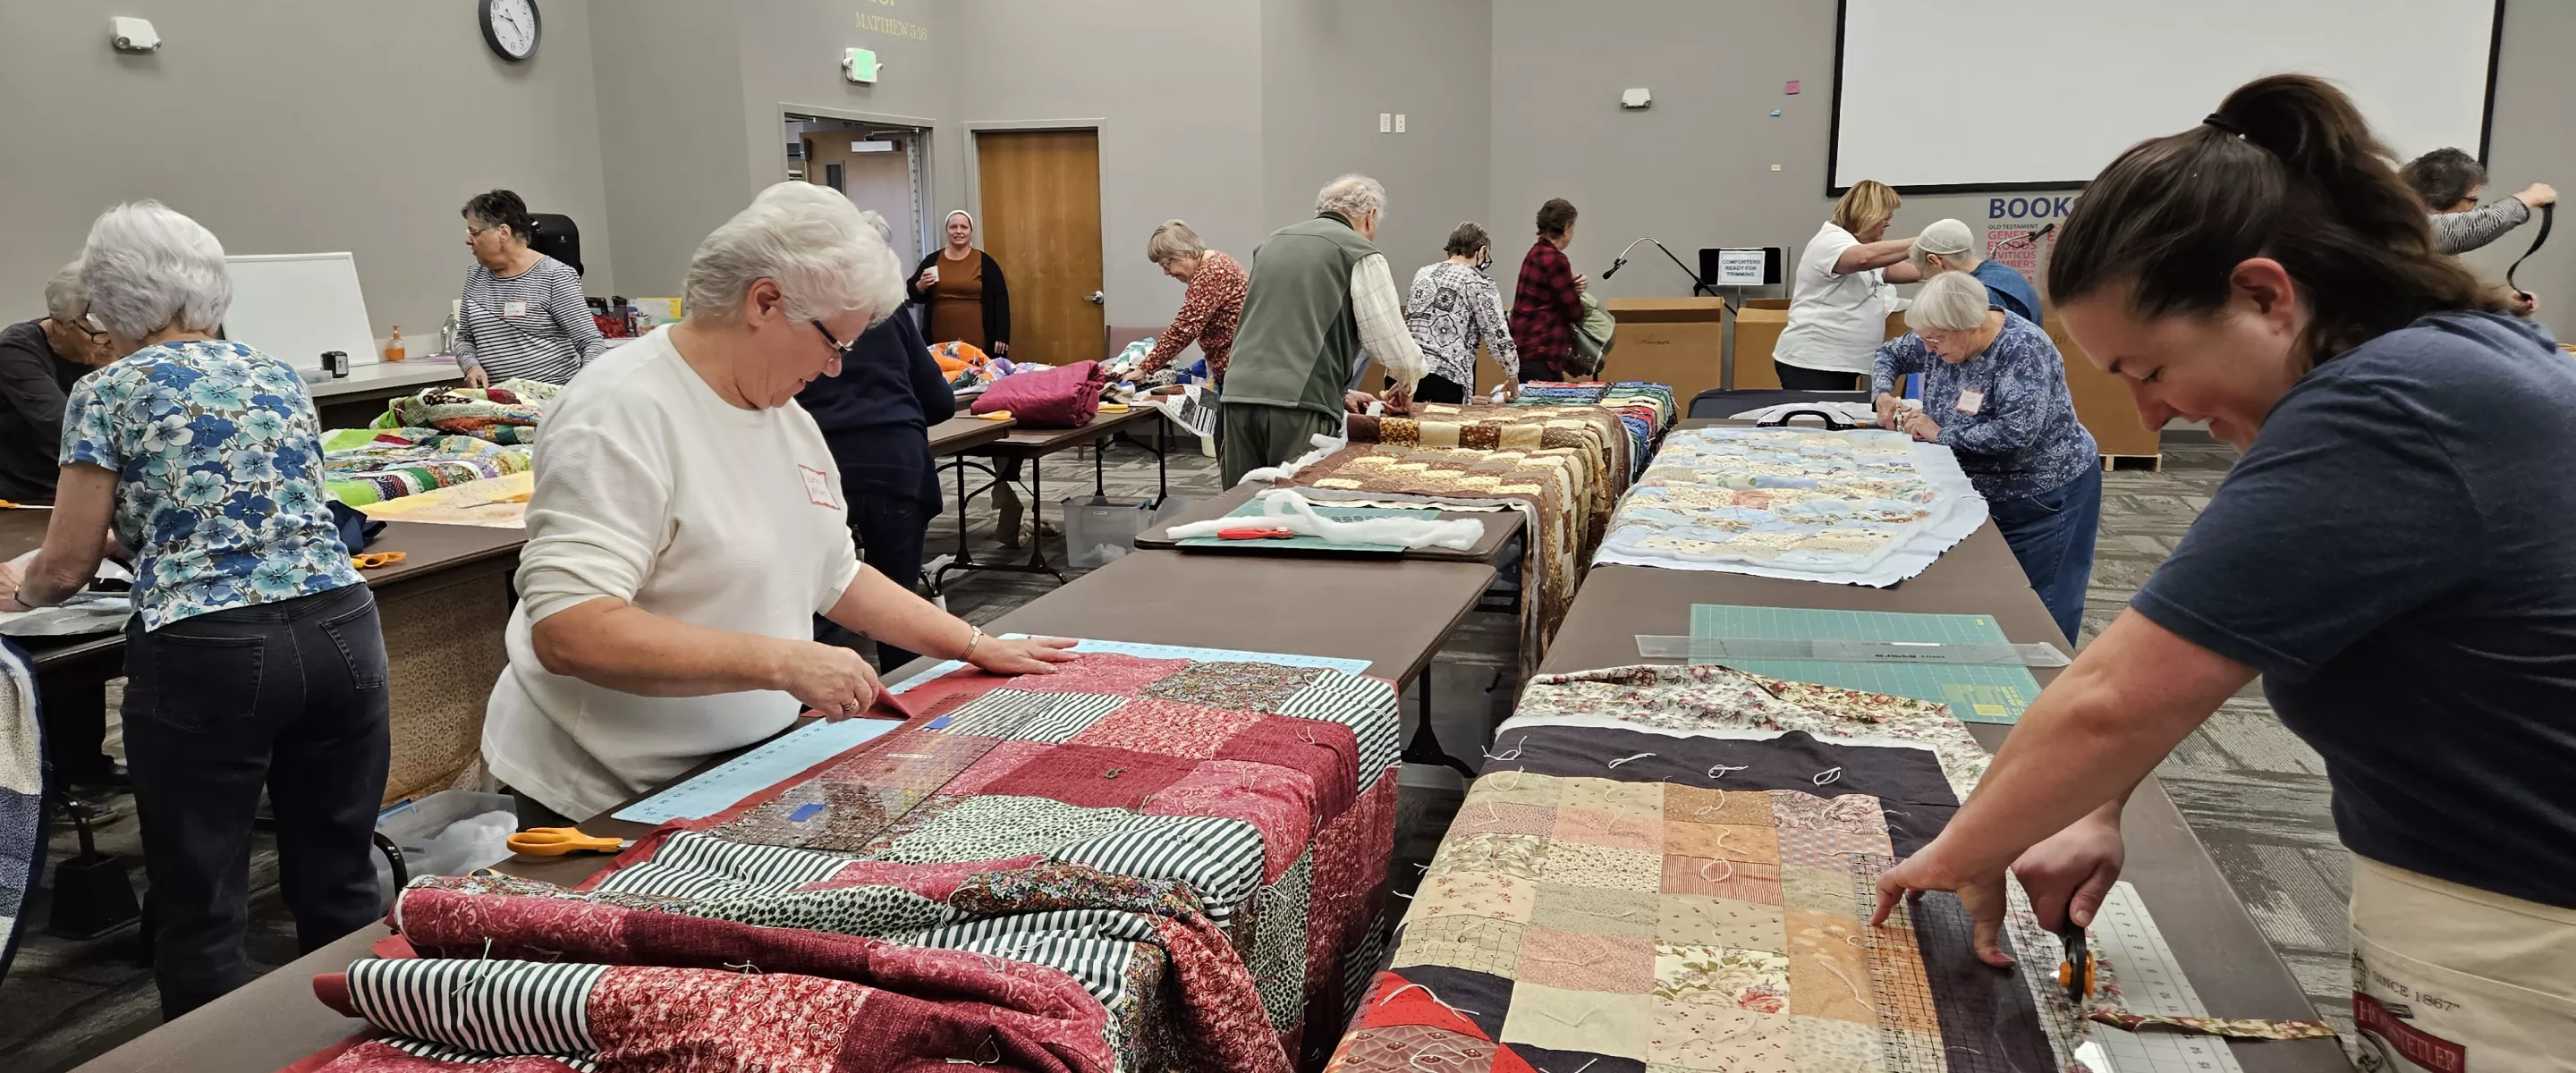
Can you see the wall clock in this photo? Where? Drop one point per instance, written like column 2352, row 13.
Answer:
column 510, row 27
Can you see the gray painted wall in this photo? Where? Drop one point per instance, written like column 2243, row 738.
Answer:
column 1329, row 67
column 669, row 118
column 1176, row 109
column 293, row 126
column 1695, row 169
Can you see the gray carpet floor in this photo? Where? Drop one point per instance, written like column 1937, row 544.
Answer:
column 2254, row 794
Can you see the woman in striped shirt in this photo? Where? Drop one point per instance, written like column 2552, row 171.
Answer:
column 524, row 317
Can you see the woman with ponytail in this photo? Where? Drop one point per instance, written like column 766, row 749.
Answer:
column 2393, row 554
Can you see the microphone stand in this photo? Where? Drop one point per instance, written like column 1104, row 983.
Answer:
column 1698, row 285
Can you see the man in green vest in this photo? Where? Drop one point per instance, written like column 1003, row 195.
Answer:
column 1320, row 292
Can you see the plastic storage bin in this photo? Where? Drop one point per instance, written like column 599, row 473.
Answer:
column 440, row 835
column 1098, row 529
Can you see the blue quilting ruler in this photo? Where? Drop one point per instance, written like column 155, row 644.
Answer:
column 1976, row 693
column 773, row 762
column 1141, row 650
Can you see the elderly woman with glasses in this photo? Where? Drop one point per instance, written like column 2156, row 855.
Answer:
column 688, row 523
column 254, row 656
column 1994, row 391
column 39, row 361
column 523, row 316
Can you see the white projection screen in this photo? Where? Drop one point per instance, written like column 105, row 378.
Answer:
column 1977, row 95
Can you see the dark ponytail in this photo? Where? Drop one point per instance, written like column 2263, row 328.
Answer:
column 502, row 208
column 2286, row 169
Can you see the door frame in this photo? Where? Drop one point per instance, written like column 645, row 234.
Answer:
column 975, row 175
column 925, row 156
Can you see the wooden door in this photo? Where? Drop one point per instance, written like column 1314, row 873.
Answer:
column 1041, row 224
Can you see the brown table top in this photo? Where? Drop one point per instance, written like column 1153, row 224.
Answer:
column 1153, row 597
column 2229, row 962
column 965, row 433
column 1045, row 441
column 1499, row 527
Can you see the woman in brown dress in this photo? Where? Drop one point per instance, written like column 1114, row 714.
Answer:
column 965, row 300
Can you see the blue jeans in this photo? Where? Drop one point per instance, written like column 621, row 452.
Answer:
column 2051, row 533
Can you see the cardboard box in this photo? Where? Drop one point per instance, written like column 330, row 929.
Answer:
column 1678, row 342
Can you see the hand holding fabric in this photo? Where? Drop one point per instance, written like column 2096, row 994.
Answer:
column 1921, row 426
column 476, row 377
column 1982, row 895
column 1399, row 402
column 834, row 682
column 1357, row 401
column 1026, row 655
column 1887, row 407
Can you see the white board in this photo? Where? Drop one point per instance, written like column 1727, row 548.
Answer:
column 1976, row 95
column 294, row 306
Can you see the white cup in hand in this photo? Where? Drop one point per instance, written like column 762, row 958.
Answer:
column 930, row 276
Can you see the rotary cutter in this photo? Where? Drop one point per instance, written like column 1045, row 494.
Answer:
column 2075, row 974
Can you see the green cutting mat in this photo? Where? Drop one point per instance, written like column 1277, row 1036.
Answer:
column 1251, row 509
column 1975, row 693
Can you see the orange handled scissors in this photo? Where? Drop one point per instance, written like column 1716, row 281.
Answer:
column 374, row 559
column 557, row 841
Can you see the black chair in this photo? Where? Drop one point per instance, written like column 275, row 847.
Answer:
column 557, row 237
column 1722, row 403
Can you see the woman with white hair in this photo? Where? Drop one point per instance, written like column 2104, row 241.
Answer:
column 254, row 655
column 688, row 523
column 1842, row 292
column 1947, row 246
column 1994, row 391
column 1210, row 309
column 39, row 361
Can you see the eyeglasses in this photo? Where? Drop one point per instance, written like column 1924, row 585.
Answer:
column 840, row 349
column 87, row 324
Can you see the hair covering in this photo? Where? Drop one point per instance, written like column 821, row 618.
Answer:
column 1949, row 238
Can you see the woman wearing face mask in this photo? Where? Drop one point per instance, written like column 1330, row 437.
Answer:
column 1994, row 391
column 2391, row 554
column 1452, row 309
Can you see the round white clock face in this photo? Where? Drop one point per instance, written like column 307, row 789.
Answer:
column 510, row 27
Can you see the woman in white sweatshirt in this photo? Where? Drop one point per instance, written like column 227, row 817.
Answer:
column 688, row 523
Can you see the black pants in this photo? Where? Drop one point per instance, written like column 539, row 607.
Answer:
column 891, row 531
column 1437, row 389
column 1536, row 370
column 75, row 733
column 290, row 695
column 1801, row 378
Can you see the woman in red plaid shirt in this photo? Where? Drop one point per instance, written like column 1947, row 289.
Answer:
column 1547, row 304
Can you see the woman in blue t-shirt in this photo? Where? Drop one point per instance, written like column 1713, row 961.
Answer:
column 2392, row 554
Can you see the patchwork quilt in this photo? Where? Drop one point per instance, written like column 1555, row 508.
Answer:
column 1670, row 868
column 368, row 466
column 1597, row 433
column 1547, row 486
column 1645, row 409
column 1194, row 847
column 506, row 412
column 1848, row 506
column 22, row 795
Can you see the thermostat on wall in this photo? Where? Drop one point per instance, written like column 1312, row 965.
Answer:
column 859, row 65
column 131, row 34
column 1636, row 98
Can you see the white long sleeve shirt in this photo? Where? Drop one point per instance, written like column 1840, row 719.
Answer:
column 1380, row 312
column 653, row 490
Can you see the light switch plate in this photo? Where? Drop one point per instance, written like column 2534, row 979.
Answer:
column 1775, row 167
column 1399, row 122
column 1385, row 122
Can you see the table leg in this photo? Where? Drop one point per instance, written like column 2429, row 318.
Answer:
column 1425, row 747
column 1099, row 455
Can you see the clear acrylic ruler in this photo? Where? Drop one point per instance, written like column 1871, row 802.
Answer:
column 2150, row 983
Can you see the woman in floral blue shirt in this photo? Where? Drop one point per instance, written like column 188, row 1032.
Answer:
column 1994, row 391
column 254, row 655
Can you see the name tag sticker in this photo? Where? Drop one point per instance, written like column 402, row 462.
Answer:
column 1971, row 401
column 818, row 487
column 514, row 309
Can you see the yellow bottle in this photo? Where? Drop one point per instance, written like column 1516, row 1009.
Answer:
column 394, row 347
